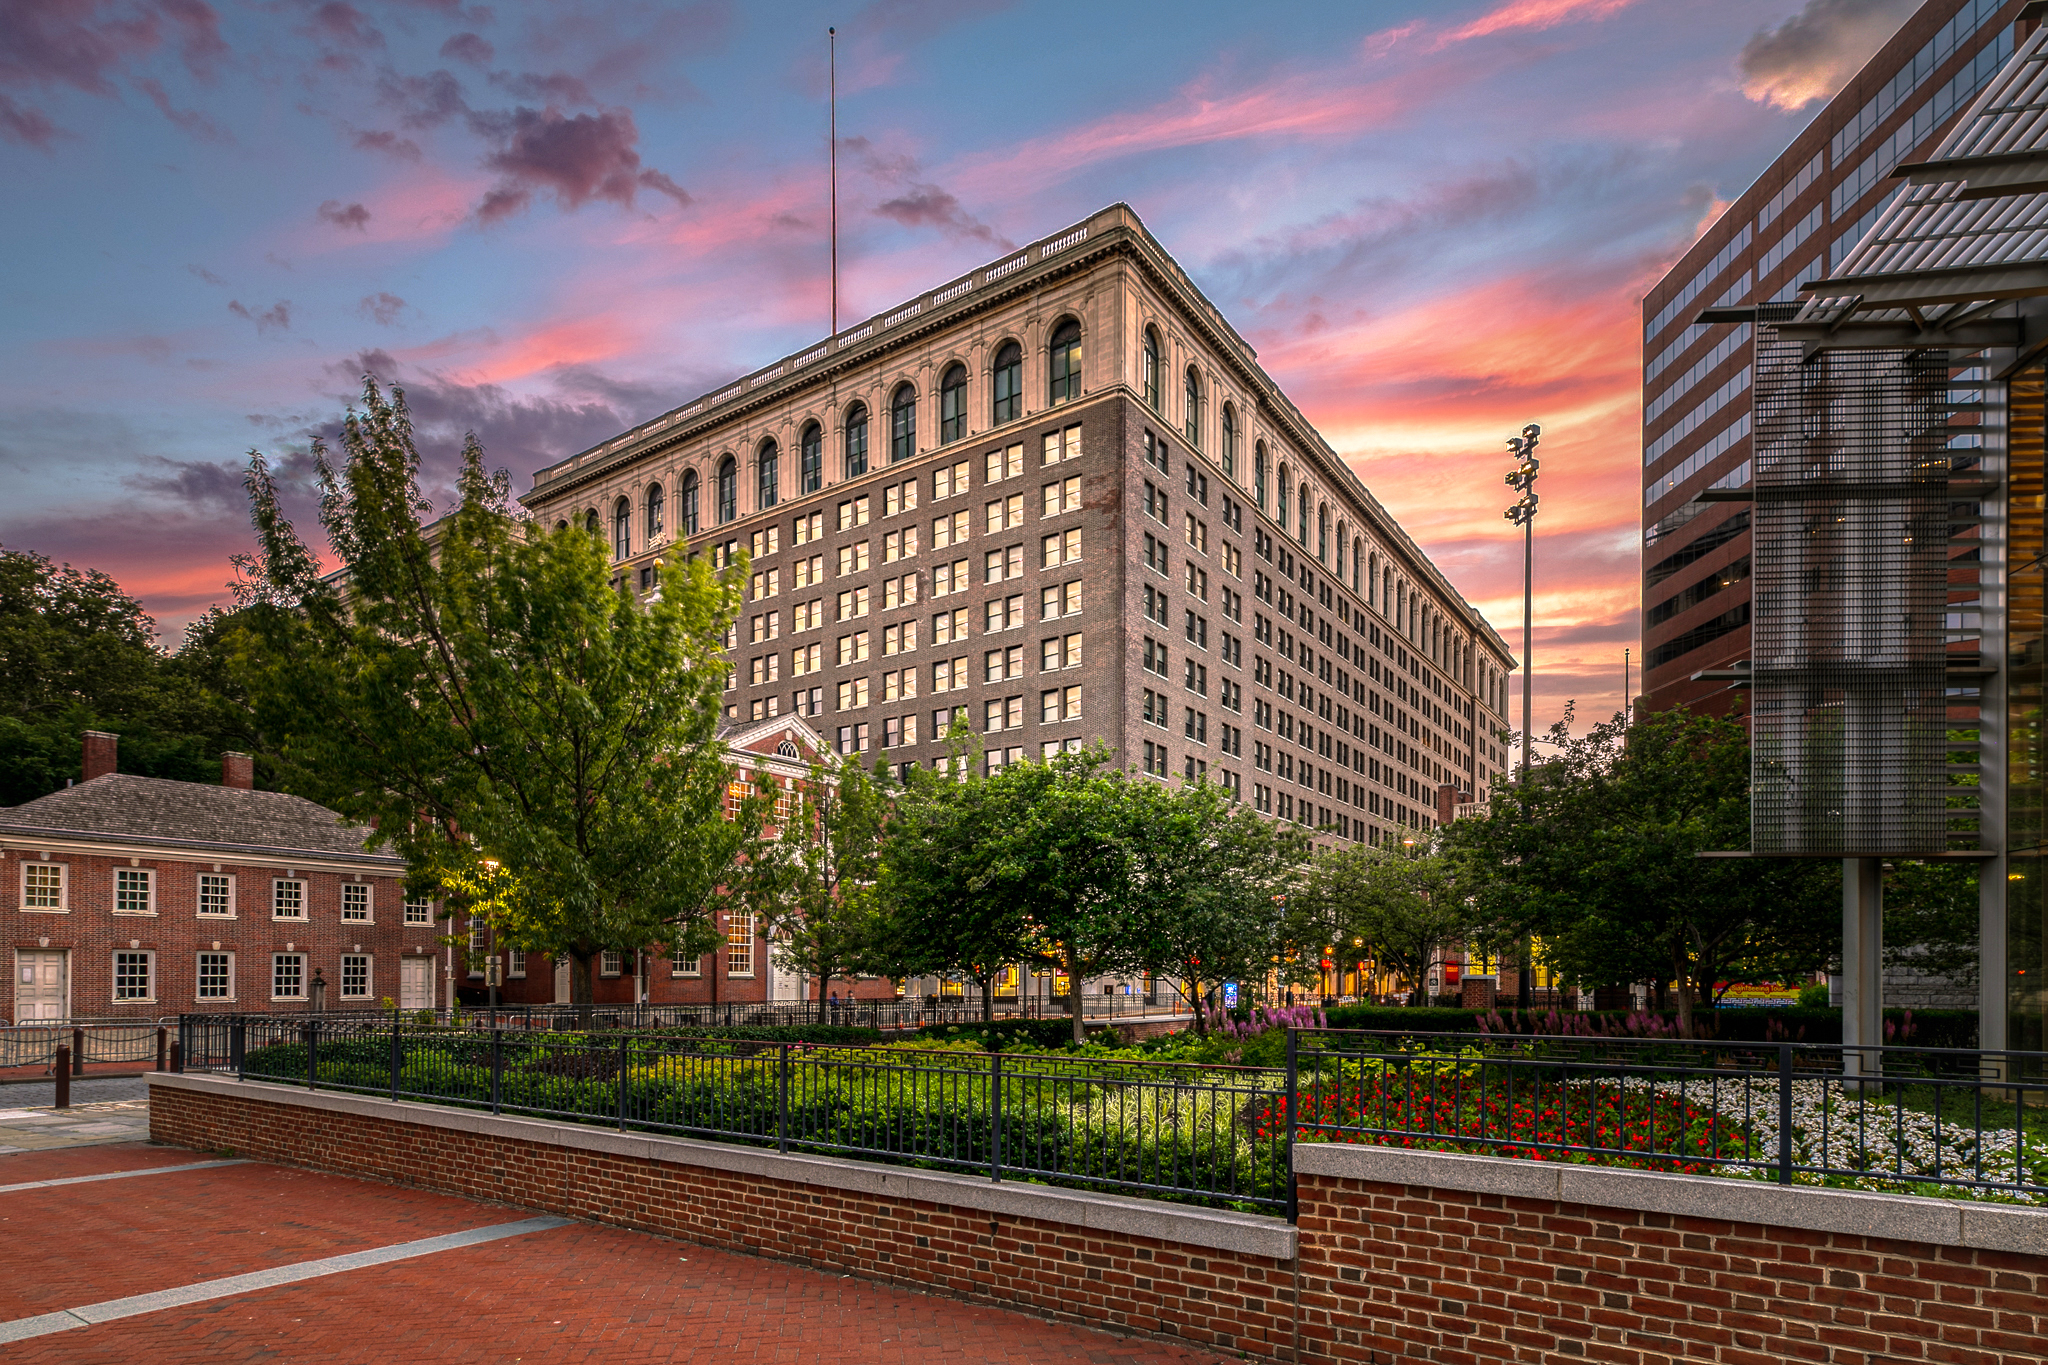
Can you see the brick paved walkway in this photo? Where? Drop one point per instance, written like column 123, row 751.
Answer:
column 572, row 1293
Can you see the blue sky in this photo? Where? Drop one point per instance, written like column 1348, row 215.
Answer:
column 1434, row 221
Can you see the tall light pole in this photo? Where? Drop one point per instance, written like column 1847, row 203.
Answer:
column 1523, row 514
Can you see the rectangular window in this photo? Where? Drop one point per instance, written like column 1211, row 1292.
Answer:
column 216, row 894
column 1003, row 464
column 853, row 694
column 1002, row 713
column 853, row 558
column 766, row 542
column 1061, row 547
column 899, row 685
column 288, row 976
column 999, row 759
column 612, row 964
column 998, row 565
column 810, row 528
column 355, row 976
column 900, row 498
column 132, row 977
column 853, row 513
column 1002, row 613
column 1059, row 703
column 1156, row 660
column 419, row 910
column 949, row 626
column 943, row 719
column 355, row 902
column 899, row 639
column 999, row 665
column 767, row 584
column 1155, row 502
column 809, row 572
column 216, row 976
column 1061, row 445
column 132, row 888
column 899, row 592
column 949, row 480
column 1064, row 496
column 287, row 900
column 1004, row 514
column 949, row 675
column 42, row 886
column 1061, row 651
column 899, row 545
column 950, row 578
column 853, row 604
column 739, row 945
column 853, row 649
column 899, row 731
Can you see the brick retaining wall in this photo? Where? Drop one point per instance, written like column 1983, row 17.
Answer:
column 1402, row 1256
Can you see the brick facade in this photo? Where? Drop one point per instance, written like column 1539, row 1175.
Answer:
column 1402, row 1256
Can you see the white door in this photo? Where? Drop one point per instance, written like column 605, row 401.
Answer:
column 561, row 981
column 40, row 988
column 416, row 983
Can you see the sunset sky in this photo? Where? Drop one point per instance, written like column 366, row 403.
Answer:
column 548, row 221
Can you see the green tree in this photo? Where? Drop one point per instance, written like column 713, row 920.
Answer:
column 936, row 916
column 78, row 653
column 1599, row 852
column 1931, row 919
column 482, row 692
column 813, row 885
column 1211, row 876
column 1403, row 910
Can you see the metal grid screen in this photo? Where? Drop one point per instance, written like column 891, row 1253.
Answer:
column 1851, row 566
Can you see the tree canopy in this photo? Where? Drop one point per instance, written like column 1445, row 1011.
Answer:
column 481, row 692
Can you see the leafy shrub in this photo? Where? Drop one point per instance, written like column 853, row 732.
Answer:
column 1396, row 1019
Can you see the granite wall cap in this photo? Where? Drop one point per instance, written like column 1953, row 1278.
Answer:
column 1177, row 1224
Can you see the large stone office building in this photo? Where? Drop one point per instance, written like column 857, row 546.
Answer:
column 1057, row 497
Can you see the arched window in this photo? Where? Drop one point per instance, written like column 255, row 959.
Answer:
column 1006, row 385
column 1372, row 583
column 1281, row 489
column 1323, row 532
column 1357, row 564
column 1066, row 362
column 1229, row 441
column 856, row 441
column 1259, row 474
column 1148, row 369
column 562, row 525
column 657, row 511
column 811, row 459
column 769, row 485
column 1191, row 421
column 1387, row 592
column 1301, row 532
column 953, row 404
column 592, row 524
column 689, row 508
column 1343, row 539
column 902, row 424
column 728, row 490
column 622, row 529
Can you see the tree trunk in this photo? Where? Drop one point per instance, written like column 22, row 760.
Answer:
column 1194, row 994
column 580, row 994
column 988, row 998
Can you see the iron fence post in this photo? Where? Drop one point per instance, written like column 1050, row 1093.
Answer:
column 782, row 1101
column 995, row 1126
column 397, row 1058
column 622, row 1080
column 162, row 1045
column 1293, row 1087
column 312, row 1054
column 1784, row 1113
column 78, row 1052
column 498, row 1067
column 238, row 1048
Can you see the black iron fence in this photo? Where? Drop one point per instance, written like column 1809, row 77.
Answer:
column 1917, row 1120
column 1163, row 1130
column 1912, row 1120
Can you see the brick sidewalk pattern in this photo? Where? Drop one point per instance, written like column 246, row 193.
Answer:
column 575, row 1293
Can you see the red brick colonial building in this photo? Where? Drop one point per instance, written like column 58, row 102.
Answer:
column 134, row 897
column 744, row 971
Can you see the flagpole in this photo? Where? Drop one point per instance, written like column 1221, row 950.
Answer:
column 832, row 66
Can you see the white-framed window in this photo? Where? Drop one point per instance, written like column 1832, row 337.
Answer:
column 478, row 942
column 355, row 976
column 134, row 977
column 515, row 963
column 355, row 902
column 45, row 886
column 217, row 895
column 613, row 964
column 216, row 976
column 419, row 910
column 134, row 891
column 739, row 945
column 687, row 966
column 287, row 899
column 287, row 976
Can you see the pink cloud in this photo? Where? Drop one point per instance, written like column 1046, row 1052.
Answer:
column 1534, row 14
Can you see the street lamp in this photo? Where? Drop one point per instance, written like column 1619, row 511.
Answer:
column 1523, row 514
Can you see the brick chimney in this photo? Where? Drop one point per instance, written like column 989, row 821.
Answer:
column 238, row 770
column 102, row 754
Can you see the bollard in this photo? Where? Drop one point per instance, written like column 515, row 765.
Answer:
column 78, row 1052
column 177, row 1057
column 63, row 1070
column 162, row 1034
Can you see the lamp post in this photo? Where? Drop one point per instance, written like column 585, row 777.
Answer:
column 1523, row 514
